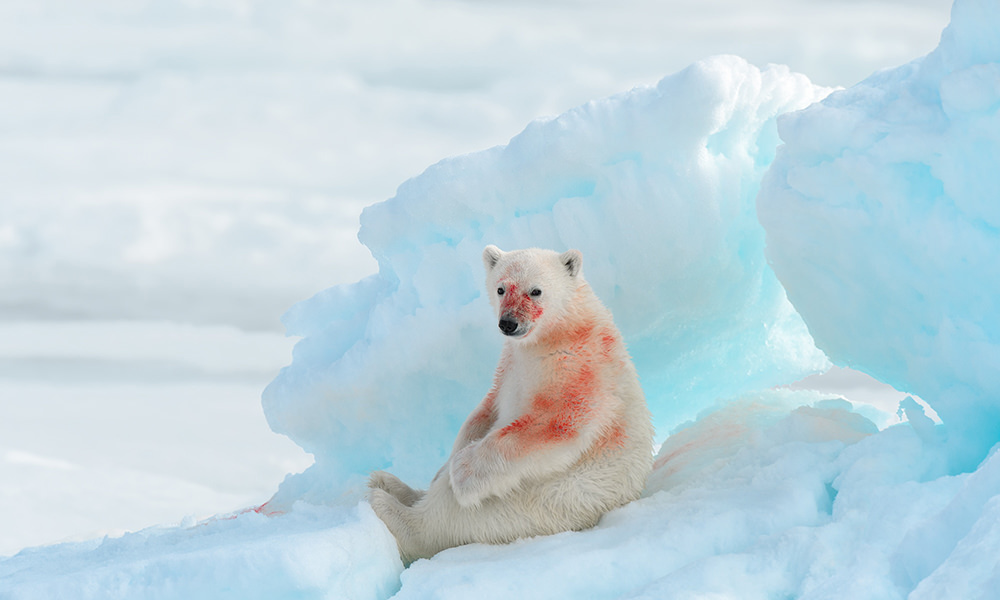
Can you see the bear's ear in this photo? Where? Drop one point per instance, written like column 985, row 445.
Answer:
column 573, row 261
column 491, row 255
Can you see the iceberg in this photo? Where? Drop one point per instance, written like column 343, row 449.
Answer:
column 883, row 225
column 774, row 494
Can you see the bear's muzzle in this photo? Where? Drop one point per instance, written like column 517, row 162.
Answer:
column 508, row 326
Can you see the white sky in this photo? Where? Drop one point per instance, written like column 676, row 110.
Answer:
column 162, row 159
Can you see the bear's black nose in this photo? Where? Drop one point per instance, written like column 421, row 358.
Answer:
column 508, row 326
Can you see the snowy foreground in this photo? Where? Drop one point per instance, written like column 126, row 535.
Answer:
column 755, row 500
column 879, row 218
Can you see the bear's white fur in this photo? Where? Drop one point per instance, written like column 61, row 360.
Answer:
column 563, row 436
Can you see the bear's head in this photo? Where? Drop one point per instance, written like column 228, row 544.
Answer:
column 529, row 288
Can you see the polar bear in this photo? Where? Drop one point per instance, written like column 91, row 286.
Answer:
column 563, row 436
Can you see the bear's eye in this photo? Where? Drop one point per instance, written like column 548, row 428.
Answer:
column 536, row 292
column 499, row 291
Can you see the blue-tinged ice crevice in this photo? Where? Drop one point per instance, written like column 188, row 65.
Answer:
column 882, row 213
column 656, row 186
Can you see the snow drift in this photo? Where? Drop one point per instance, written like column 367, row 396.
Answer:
column 314, row 553
column 655, row 186
column 775, row 494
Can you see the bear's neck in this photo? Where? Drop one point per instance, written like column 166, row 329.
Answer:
column 572, row 331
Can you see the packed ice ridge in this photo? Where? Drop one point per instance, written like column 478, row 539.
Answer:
column 879, row 217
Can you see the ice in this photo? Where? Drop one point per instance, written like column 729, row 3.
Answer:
column 80, row 458
column 882, row 224
column 778, row 494
column 313, row 553
column 655, row 186
column 111, row 426
column 774, row 494
column 971, row 570
column 880, row 220
column 928, row 546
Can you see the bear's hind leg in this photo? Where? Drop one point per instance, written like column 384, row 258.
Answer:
column 404, row 523
column 406, row 495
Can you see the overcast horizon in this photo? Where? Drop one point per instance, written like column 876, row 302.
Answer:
column 162, row 160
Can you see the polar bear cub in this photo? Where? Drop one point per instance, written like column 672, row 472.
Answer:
column 563, row 436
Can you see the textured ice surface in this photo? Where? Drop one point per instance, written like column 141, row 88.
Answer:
column 774, row 494
column 313, row 553
column 656, row 186
column 760, row 498
column 882, row 213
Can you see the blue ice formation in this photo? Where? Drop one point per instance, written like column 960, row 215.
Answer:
column 656, row 187
column 773, row 494
column 882, row 213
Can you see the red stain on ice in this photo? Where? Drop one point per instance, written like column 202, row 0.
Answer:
column 696, row 442
column 265, row 510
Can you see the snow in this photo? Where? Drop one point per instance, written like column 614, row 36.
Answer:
column 876, row 215
column 774, row 494
column 81, row 458
column 111, row 426
column 755, row 500
column 884, row 197
column 313, row 553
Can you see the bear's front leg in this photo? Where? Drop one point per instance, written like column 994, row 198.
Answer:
column 479, row 422
column 475, row 473
column 546, row 440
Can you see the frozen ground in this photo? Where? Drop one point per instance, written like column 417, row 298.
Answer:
column 115, row 426
column 758, row 499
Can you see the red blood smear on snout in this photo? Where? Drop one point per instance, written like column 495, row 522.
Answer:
column 518, row 305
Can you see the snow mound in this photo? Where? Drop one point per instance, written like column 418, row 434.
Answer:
column 315, row 552
column 883, row 225
column 656, row 186
column 786, row 494
column 771, row 495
